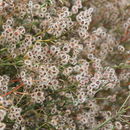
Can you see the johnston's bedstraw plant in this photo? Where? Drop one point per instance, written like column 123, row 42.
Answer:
column 64, row 64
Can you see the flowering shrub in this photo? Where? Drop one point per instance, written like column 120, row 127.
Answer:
column 64, row 64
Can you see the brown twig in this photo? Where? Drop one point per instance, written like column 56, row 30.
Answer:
column 13, row 90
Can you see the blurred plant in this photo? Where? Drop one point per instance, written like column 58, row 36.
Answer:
column 64, row 64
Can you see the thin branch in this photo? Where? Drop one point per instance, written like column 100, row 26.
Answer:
column 119, row 113
column 13, row 90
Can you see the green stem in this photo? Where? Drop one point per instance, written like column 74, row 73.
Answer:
column 20, row 99
column 119, row 113
column 3, row 49
column 9, row 64
column 124, row 66
column 124, row 103
column 105, row 122
column 126, row 121
column 41, row 126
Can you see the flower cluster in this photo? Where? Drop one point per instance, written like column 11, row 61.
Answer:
column 2, row 115
column 64, row 65
column 4, row 80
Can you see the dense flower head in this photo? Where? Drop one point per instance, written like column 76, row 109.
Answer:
column 64, row 64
